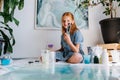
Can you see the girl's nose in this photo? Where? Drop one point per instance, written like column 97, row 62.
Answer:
column 66, row 23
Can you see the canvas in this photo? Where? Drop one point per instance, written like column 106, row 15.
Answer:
column 49, row 13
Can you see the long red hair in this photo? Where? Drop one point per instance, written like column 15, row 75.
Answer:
column 73, row 26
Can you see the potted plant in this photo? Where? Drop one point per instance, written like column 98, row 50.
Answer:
column 7, row 16
column 110, row 27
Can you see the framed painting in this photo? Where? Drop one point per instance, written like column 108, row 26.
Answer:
column 48, row 13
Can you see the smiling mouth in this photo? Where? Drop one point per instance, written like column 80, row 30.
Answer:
column 66, row 26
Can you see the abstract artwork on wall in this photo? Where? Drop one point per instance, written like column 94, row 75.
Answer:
column 48, row 13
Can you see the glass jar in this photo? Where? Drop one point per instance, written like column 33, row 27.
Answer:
column 6, row 59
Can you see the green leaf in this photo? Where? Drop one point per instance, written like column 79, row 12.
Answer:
column 7, row 14
column 14, row 4
column 1, row 44
column 7, row 27
column 107, row 11
column 16, row 21
column 119, row 4
column 118, row 0
column 7, row 17
column 11, row 4
column 7, row 46
column 6, row 6
column 21, row 4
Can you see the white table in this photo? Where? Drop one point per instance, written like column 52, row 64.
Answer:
column 22, row 70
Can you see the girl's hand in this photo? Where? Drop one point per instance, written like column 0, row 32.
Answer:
column 67, row 38
column 75, row 48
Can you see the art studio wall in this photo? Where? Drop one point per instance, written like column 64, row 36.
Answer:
column 30, row 41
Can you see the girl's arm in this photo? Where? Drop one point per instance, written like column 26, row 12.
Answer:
column 75, row 48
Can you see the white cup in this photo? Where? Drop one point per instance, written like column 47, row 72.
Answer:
column 45, row 56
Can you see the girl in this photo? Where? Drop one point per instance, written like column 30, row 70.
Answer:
column 71, row 41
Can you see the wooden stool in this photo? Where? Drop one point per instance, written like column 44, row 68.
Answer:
column 109, row 47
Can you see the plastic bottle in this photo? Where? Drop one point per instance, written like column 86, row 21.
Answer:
column 96, row 60
column 90, row 52
column 50, row 47
column 104, row 57
column 45, row 57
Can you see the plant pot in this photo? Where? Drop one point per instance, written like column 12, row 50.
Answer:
column 110, row 28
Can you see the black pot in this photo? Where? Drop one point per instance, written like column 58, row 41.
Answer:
column 110, row 30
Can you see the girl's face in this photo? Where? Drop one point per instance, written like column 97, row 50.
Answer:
column 66, row 20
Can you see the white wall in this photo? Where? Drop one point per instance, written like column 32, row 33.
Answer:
column 29, row 41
